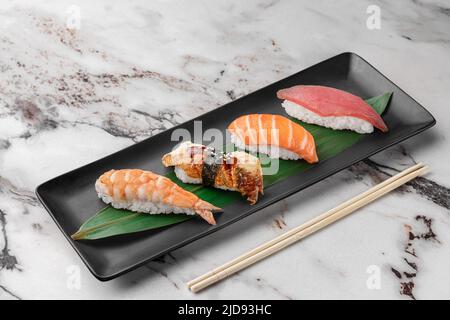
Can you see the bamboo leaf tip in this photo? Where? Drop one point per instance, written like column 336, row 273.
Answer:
column 76, row 236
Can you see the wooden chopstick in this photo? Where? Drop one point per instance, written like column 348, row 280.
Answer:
column 305, row 225
column 306, row 229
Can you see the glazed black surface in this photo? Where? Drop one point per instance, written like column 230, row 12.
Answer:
column 71, row 198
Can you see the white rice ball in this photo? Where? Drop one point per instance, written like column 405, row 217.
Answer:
column 182, row 175
column 338, row 123
column 272, row 151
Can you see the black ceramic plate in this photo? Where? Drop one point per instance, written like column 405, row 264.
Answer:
column 65, row 195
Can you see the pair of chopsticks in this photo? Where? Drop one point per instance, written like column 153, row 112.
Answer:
column 307, row 228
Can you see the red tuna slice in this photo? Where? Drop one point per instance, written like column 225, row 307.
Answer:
column 331, row 102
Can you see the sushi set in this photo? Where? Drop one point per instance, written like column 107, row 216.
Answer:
column 147, row 192
column 314, row 123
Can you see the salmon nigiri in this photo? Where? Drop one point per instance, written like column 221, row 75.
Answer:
column 274, row 135
column 330, row 107
column 147, row 192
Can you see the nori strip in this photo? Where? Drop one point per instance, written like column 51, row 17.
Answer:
column 211, row 164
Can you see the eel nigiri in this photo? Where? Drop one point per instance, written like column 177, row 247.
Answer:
column 235, row 171
column 273, row 135
column 330, row 107
column 147, row 192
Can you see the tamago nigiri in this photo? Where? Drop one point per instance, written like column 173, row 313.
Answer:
column 147, row 192
column 330, row 107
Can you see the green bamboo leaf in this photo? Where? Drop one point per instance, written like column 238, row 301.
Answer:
column 111, row 222
column 379, row 103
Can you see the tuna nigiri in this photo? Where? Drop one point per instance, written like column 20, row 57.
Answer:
column 147, row 192
column 330, row 107
column 236, row 171
column 274, row 135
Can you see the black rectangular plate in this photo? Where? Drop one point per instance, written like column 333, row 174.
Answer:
column 71, row 199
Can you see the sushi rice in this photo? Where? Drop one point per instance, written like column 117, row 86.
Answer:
column 185, row 178
column 182, row 175
column 338, row 123
column 274, row 152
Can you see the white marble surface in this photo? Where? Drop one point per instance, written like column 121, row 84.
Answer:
column 68, row 97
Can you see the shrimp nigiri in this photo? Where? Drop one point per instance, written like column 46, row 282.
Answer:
column 144, row 191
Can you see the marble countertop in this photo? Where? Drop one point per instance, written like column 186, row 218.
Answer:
column 74, row 90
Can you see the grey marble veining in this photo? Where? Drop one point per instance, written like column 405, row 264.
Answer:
column 133, row 69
